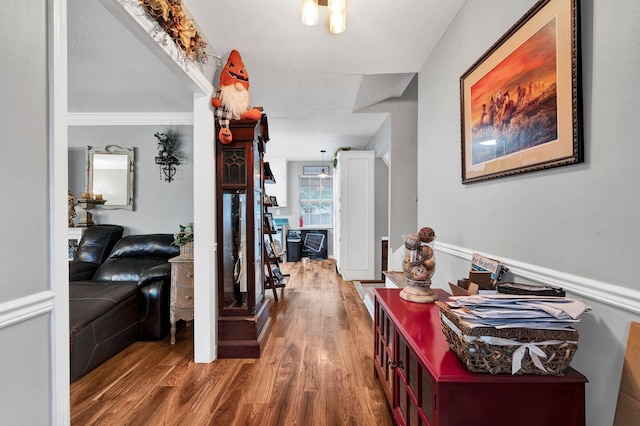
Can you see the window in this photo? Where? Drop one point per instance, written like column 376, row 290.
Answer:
column 316, row 200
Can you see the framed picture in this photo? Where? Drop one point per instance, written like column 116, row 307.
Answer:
column 268, row 222
column 277, row 248
column 273, row 200
column 521, row 101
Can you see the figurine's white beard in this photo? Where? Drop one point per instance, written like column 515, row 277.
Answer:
column 235, row 99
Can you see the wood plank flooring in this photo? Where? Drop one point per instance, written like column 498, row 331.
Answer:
column 316, row 369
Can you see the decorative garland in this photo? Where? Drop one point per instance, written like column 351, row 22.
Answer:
column 173, row 19
column 169, row 144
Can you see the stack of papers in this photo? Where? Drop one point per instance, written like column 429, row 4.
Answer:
column 510, row 311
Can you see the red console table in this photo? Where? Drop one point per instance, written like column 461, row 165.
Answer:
column 426, row 384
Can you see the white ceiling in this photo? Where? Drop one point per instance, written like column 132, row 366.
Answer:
column 311, row 83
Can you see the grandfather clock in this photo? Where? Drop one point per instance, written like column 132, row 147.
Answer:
column 243, row 311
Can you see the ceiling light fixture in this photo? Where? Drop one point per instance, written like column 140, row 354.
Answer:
column 322, row 173
column 337, row 15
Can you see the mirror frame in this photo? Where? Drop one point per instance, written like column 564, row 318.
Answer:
column 114, row 150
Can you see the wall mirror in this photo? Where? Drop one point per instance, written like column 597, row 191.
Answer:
column 110, row 174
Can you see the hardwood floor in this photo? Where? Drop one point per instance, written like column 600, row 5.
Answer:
column 316, row 369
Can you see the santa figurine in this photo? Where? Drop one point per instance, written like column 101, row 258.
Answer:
column 231, row 100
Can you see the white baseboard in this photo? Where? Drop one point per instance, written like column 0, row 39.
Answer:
column 610, row 294
column 370, row 305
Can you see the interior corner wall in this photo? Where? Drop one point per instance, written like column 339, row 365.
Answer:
column 381, row 228
column 577, row 220
column 400, row 130
column 159, row 206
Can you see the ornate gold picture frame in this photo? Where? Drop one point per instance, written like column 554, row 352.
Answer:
column 521, row 101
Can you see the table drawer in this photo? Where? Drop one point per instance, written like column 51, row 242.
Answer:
column 184, row 296
column 184, row 274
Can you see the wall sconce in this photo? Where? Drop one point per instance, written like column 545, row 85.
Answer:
column 337, row 15
column 167, row 167
column 168, row 153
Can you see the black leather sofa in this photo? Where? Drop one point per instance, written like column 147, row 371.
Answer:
column 126, row 299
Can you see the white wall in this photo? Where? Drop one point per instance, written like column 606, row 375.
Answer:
column 399, row 131
column 25, row 363
column 381, row 187
column 159, row 206
column 577, row 221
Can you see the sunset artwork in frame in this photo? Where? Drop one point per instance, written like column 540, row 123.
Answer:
column 520, row 102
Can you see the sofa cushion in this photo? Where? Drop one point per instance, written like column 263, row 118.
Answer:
column 150, row 245
column 79, row 270
column 97, row 242
column 103, row 337
column 134, row 254
column 89, row 300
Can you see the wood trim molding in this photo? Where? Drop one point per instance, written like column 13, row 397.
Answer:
column 135, row 19
column 205, row 275
column 25, row 308
column 57, row 298
column 130, row 118
column 609, row 294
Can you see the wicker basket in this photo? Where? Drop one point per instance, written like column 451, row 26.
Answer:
column 491, row 350
column 186, row 250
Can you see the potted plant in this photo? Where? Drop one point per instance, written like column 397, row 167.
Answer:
column 184, row 239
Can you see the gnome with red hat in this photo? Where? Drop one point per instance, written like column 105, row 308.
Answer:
column 231, row 100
